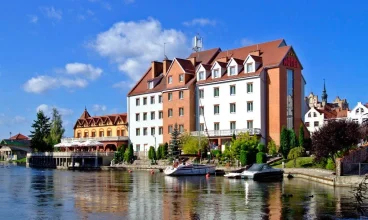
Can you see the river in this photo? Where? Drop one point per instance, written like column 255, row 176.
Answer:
column 27, row 193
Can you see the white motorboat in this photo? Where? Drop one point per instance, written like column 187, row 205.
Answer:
column 189, row 170
column 233, row 175
column 262, row 172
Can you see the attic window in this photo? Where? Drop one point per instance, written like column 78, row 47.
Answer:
column 250, row 67
column 232, row 70
column 216, row 73
column 201, row 75
column 170, row 80
column 150, row 85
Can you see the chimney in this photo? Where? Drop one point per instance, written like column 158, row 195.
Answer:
column 166, row 65
column 193, row 60
column 255, row 53
column 156, row 68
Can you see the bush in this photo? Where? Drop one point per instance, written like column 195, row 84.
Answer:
column 330, row 164
column 261, row 157
column 295, row 153
column 129, row 154
column 216, row 153
column 272, row 148
column 165, row 151
column 243, row 157
column 159, row 153
column 261, row 147
column 152, row 153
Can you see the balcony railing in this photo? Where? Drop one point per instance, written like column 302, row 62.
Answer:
column 229, row 132
column 70, row 154
column 108, row 138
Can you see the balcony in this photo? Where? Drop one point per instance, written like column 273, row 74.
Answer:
column 227, row 133
column 100, row 139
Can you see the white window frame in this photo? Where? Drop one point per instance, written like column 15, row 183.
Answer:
column 169, row 80
column 181, row 78
column 232, row 86
column 249, row 88
column 250, row 104
column 232, row 105
column 232, row 73
column 201, row 75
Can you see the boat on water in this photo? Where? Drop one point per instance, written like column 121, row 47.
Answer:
column 262, row 172
column 236, row 174
column 189, row 169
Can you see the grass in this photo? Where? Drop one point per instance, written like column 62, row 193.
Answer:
column 301, row 162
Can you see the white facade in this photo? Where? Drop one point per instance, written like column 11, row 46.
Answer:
column 241, row 118
column 142, row 142
column 358, row 113
column 314, row 120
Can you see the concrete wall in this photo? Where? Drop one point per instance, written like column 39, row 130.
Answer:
column 350, row 162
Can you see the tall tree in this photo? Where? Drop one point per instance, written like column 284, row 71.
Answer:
column 57, row 130
column 293, row 142
column 40, row 133
column 301, row 136
column 333, row 138
column 284, row 142
column 192, row 145
column 174, row 143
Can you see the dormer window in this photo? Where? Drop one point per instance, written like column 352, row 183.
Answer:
column 170, row 80
column 216, row 73
column 232, row 70
column 150, row 85
column 181, row 77
column 201, row 75
column 250, row 67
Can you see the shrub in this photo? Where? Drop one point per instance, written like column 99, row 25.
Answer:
column 261, row 147
column 159, row 153
column 261, row 157
column 284, row 142
column 243, row 157
column 216, row 153
column 295, row 153
column 330, row 164
column 129, row 154
column 272, row 149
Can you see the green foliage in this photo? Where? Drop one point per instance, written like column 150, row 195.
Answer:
column 261, row 157
column 330, row 164
column 243, row 157
column 261, row 147
column 295, row 153
column 165, row 151
column 129, row 154
column 119, row 154
column 234, row 137
column 216, row 153
column 292, row 139
column 40, row 133
column 228, row 155
column 56, row 128
column 301, row 162
column 174, row 143
column 301, row 136
column 245, row 142
column 284, row 142
column 159, row 152
column 192, row 145
column 272, row 148
column 152, row 153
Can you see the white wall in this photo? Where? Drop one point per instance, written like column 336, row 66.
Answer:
column 240, row 98
column 358, row 113
column 311, row 116
column 233, row 63
column 133, row 124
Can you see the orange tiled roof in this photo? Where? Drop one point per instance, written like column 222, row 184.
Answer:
column 19, row 137
column 113, row 118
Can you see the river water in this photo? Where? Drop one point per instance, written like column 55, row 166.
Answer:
column 27, row 193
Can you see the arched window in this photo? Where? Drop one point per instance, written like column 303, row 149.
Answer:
column 309, row 115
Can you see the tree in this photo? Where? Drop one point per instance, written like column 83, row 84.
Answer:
column 247, row 143
column 152, row 154
column 40, row 133
column 191, row 144
column 284, row 142
column 301, row 136
column 119, row 154
column 295, row 153
column 333, row 138
column 292, row 139
column 261, row 157
column 272, row 148
column 165, row 151
column 56, row 128
column 174, row 143
column 243, row 158
column 129, row 154
column 159, row 152
column 234, row 137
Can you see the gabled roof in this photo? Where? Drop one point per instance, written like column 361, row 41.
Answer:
column 327, row 114
column 113, row 118
column 186, row 65
column 257, row 58
column 221, row 64
column 85, row 114
column 206, row 56
column 19, row 136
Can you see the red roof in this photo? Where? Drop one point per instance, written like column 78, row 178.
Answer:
column 19, row 137
column 328, row 114
column 187, row 65
column 113, row 118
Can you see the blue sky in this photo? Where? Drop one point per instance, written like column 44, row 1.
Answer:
column 76, row 53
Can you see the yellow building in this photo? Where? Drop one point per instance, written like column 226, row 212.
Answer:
column 112, row 130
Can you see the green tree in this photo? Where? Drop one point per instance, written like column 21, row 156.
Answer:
column 301, row 136
column 119, row 154
column 261, row 147
column 174, row 143
column 56, row 128
column 272, row 148
column 261, row 157
column 40, row 133
column 159, row 152
column 295, row 153
column 165, row 151
column 245, row 142
column 234, row 137
column 152, row 154
column 243, row 157
column 284, row 142
column 292, row 139
column 129, row 154
column 191, row 144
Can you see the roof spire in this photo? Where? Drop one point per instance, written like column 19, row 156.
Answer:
column 324, row 92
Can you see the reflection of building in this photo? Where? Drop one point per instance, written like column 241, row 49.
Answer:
column 218, row 93
column 15, row 148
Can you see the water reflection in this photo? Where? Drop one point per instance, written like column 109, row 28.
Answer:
column 55, row 194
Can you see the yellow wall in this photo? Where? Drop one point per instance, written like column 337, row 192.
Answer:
column 109, row 127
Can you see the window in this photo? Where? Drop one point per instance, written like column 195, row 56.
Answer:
column 249, row 67
column 160, row 99
column 216, row 92
column 137, row 117
column 170, row 112
column 250, row 124
column 216, row 109
column 145, row 116
column 144, row 131
column 181, row 111
column 150, row 85
column 181, row 94
column 137, row 131
column 361, row 110
column 145, row 101
column 181, row 128
column 232, row 70
column 290, row 98
column 232, row 108
column 232, row 125
column 86, row 134
column 153, row 130
column 118, row 133
column 181, row 77
column 216, row 73
column 201, row 93
column 160, row 115
column 109, row 133
column 160, row 130
column 314, row 114
column 309, row 115
column 316, row 124
column 152, row 115
column 78, row 135
column 201, row 127
column 137, row 102
column 201, row 75
column 307, row 124
column 170, row 79
column 101, row 133
column 169, row 96
column 93, row 134
column 170, row 129
column 232, row 90
column 152, row 100
column 138, row 147
column 216, row 126
column 249, row 106
column 201, row 110
column 249, row 87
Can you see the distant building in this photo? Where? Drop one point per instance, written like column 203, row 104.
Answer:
column 15, row 148
column 359, row 113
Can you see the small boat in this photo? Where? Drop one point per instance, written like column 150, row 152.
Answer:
column 233, row 175
column 262, row 172
column 189, row 169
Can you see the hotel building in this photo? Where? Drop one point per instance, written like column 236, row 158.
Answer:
column 257, row 88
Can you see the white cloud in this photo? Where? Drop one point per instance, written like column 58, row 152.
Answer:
column 44, row 83
column 19, row 119
column 99, row 108
column 133, row 45
column 48, row 110
column 33, row 19
column 246, row 42
column 200, row 22
column 53, row 13
column 84, row 69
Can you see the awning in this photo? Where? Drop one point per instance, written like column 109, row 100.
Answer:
column 91, row 143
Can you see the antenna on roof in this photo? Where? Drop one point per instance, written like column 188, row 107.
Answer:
column 197, row 43
column 165, row 57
